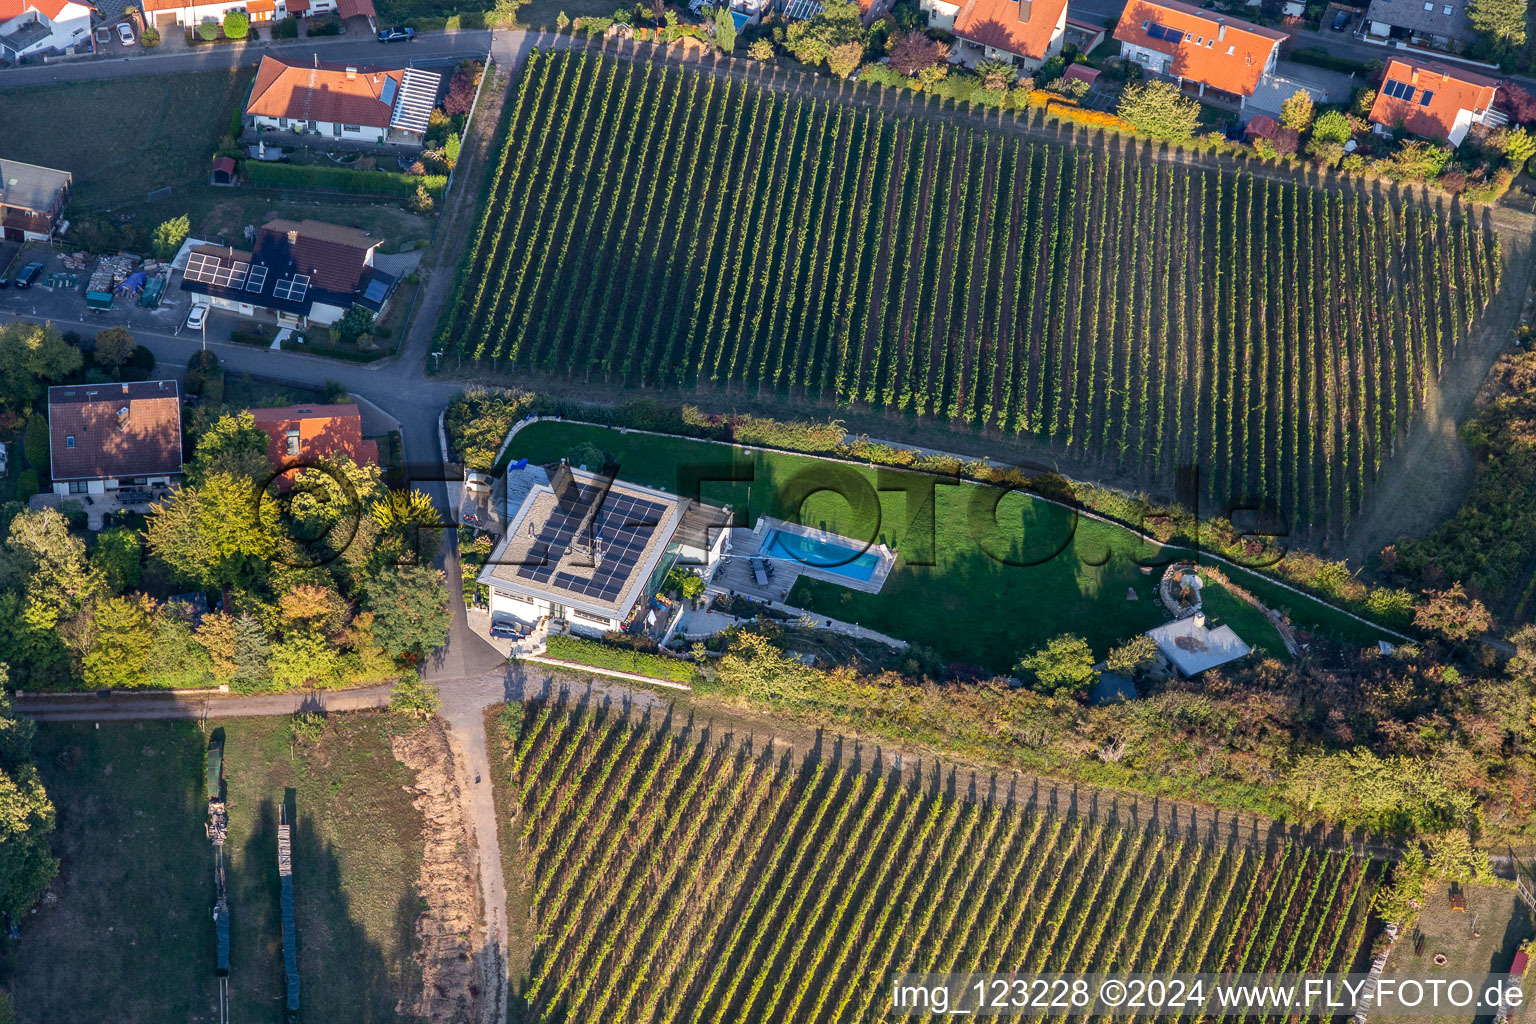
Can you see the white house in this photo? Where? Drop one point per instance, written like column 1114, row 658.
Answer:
column 591, row 552
column 1025, row 32
column 106, row 437
column 1191, row 44
column 29, row 27
column 941, row 13
column 343, row 101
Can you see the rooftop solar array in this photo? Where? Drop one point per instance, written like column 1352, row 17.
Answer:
column 802, row 10
column 1172, row 35
column 257, row 278
column 376, row 290
column 291, row 288
column 210, row 270
column 619, row 531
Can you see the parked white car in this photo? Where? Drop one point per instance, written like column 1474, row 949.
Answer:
column 125, row 33
column 197, row 317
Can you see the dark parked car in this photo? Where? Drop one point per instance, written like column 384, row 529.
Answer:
column 5, row 282
column 28, row 275
column 505, row 630
column 397, row 34
column 1339, row 21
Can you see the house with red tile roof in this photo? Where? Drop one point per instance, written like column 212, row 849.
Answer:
column 1214, row 51
column 31, row 27
column 106, row 437
column 342, row 101
column 1432, row 100
column 1025, row 32
column 301, row 435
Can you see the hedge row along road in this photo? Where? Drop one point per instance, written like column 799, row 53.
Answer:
column 712, row 883
column 657, row 226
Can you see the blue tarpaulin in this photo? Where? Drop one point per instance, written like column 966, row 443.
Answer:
column 134, row 284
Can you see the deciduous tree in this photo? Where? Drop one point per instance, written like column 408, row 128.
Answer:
column 1502, row 19
column 1296, row 111
column 916, row 52
column 124, row 630
column 1159, row 110
column 1065, row 663
column 165, row 241
column 32, row 355
column 114, row 347
column 410, row 610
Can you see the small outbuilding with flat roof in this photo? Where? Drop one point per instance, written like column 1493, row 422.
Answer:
column 1191, row 647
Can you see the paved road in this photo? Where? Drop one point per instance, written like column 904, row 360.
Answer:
column 429, row 47
column 467, row 670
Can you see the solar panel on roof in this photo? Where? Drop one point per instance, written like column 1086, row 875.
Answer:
column 257, row 278
column 291, row 288
column 376, row 291
column 211, row 270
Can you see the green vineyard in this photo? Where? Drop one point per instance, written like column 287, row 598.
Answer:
column 661, row 227
column 690, row 882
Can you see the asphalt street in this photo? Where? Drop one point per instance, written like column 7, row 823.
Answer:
column 429, row 47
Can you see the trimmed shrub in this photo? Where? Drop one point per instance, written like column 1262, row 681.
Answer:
column 208, row 31
column 237, row 25
column 340, row 179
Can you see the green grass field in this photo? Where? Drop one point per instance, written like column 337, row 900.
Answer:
column 125, row 136
column 978, row 588
column 129, row 938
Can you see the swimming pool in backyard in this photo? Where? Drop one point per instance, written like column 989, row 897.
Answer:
column 829, row 556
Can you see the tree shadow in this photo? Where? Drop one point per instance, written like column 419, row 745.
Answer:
column 343, row 974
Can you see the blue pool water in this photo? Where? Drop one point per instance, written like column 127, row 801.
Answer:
column 826, row 555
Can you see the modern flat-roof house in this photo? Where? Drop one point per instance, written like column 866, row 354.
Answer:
column 590, row 552
column 32, row 201
column 1439, row 24
column 32, row 27
column 343, row 101
column 1191, row 647
column 1434, row 101
column 299, row 435
column 299, row 272
column 1215, row 51
column 1025, row 32
column 108, row 437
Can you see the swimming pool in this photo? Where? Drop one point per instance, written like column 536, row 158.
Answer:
column 826, row 555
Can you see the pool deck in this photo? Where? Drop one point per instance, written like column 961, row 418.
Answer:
column 765, row 528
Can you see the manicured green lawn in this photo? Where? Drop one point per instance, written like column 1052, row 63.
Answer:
column 130, row 933
column 983, row 577
column 1222, row 608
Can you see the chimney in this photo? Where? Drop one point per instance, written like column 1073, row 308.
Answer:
column 351, row 73
column 293, row 236
column 122, row 418
column 1414, row 77
column 1221, row 33
column 125, row 389
column 1026, row 9
column 1199, row 620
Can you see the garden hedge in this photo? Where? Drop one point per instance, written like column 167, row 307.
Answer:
column 342, row 179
